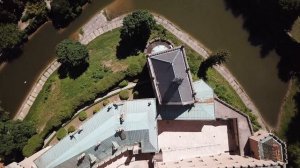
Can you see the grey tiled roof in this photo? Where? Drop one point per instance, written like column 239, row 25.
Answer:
column 171, row 78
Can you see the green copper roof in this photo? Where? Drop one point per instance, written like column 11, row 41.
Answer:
column 203, row 109
column 139, row 126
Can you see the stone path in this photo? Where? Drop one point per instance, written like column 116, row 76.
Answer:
column 99, row 25
column 23, row 111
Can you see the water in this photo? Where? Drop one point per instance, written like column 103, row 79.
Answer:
column 208, row 21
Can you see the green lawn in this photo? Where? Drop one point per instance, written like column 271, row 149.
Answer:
column 58, row 95
column 289, row 109
column 295, row 31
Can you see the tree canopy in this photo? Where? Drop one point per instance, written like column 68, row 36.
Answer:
column 138, row 25
column 71, row 53
column 11, row 10
column 13, row 137
column 10, row 36
column 63, row 11
column 216, row 58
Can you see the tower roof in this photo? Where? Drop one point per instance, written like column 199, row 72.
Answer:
column 171, row 77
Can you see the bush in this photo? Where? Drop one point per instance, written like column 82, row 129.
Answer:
column 135, row 94
column 72, row 53
column 71, row 129
column 124, row 95
column 61, row 133
column 33, row 145
column 134, row 69
column 25, row 17
column 105, row 102
column 123, row 83
column 82, row 116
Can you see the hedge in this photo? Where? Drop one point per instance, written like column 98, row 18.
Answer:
column 34, row 144
column 124, row 95
column 123, row 83
column 71, row 129
column 61, row 133
column 82, row 116
column 105, row 102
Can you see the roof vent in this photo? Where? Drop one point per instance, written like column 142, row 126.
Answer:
column 80, row 158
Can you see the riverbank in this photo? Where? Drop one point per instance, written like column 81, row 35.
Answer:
column 94, row 28
column 99, row 25
column 35, row 90
column 288, row 109
column 62, row 94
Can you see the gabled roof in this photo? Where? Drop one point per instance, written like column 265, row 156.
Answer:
column 171, row 77
column 139, row 127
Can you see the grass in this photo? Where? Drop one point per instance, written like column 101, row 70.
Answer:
column 58, row 93
column 221, row 87
column 289, row 109
column 295, row 31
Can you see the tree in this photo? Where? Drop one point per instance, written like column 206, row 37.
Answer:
column 135, row 32
column 64, row 11
column 10, row 36
column 216, row 58
column 61, row 12
column 11, row 10
column 290, row 6
column 72, row 53
column 13, row 137
column 138, row 25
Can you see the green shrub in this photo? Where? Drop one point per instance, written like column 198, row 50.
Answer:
column 135, row 94
column 33, row 145
column 105, row 102
column 71, row 129
column 61, row 133
column 25, row 17
column 82, row 116
column 123, row 83
column 124, row 95
column 95, row 111
column 134, row 69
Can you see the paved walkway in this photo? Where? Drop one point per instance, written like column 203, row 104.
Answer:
column 99, row 25
column 23, row 111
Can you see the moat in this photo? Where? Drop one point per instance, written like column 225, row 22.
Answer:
column 211, row 22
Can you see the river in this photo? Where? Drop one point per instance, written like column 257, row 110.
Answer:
column 208, row 21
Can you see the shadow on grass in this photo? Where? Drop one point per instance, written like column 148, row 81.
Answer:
column 144, row 86
column 72, row 72
column 127, row 47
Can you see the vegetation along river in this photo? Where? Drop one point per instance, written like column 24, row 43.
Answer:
column 211, row 22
